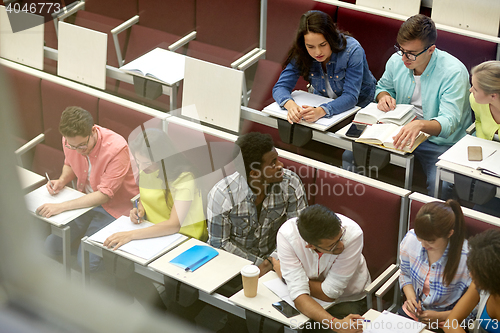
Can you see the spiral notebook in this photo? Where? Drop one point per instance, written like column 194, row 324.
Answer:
column 195, row 257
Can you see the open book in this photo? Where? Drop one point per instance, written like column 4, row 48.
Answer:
column 401, row 115
column 383, row 134
column 490, row 163
column 159, row 65
column 304, row 98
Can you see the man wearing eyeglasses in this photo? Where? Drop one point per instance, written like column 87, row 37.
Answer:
column 320, row 256
column 98, row 160
column 436, row 83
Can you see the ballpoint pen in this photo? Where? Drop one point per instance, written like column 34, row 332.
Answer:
column 136, row 204
column 190, row 267
column 50, row 183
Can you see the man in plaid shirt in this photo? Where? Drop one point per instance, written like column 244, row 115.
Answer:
column 245, row 211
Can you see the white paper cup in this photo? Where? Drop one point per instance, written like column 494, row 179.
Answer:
column 250, row 278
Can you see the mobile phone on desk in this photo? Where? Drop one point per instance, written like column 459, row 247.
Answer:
column 355, row 130
column 286, row 309
column 475, row 153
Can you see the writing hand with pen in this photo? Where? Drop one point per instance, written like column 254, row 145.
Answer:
column 50, row 209
column 306, row 112
column 137, row 213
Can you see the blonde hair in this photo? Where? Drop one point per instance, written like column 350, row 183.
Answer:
column 488, row 76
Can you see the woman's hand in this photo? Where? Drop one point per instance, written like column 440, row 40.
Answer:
column 311, row 114
column 118, row 239
column 294, row 111
column 413, row 306
column 137, row 214
column 429, row 316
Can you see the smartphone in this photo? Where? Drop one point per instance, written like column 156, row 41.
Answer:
column 286, row 309
column 475, row 153
column 355, row 130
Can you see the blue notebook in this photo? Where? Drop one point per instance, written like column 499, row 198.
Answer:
column 195, row 257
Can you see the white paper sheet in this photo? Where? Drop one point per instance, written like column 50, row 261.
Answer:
column 281, row 290
column 41, row 195
column 143, row 248
column 390, row 322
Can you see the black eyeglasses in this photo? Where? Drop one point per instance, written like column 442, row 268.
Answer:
column 410, row 56
column 80, row 147
column 334, row 245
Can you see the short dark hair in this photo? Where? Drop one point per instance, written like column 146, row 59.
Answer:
column 317, row 222
column 419, row 27
column 484, row 260
column 253, row 146
column 317, row 22
column 75, row 121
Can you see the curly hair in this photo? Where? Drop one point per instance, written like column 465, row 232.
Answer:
column 317, row 22
column 75, row 121
column 484, row 260
column 253, row 146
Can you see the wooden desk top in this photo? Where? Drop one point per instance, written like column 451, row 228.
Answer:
column 208, row 277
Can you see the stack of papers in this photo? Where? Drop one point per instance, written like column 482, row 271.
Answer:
column 390, row 322
column 304, row 98
column 41, row 196
column 147, row 249
column 281, row 290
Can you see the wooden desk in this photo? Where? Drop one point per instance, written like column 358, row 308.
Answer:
column 168, row 70
column 58, row 223
column 208, row 277
column 29, row 179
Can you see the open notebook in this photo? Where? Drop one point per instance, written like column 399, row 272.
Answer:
column 147, row 249
column 389, row 322
column 304, row 98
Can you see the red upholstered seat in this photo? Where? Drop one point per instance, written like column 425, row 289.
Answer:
column 27, row 102
column 120, row 119
column 118, row 9
column 56, row 98
column 376, row 34
column 376, row 211
column 48, row 159
column 306, row 173
column 172, row 16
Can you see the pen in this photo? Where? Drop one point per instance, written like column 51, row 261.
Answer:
column 136, row 204
column 491, row 153
column 190, row 267
column 50, row 183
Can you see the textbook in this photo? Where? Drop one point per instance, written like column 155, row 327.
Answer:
column 159, row 65
column 382, row 134
column 401, row 115
column 195, row 257
column 304, row 98
column 147, row 249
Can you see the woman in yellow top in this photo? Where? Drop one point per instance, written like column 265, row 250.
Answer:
column 485, row 102
column 174, row 205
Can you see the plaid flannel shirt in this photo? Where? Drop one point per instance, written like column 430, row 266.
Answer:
column 232, row 214
column 414, row 269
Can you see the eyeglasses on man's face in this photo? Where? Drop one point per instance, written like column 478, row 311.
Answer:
column 82, row 146
column 410, row 56
column 334, row 246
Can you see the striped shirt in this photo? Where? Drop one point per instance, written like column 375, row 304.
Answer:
column 415, row 267
column 233, row 224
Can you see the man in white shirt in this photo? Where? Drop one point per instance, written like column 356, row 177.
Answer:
column 320, row 255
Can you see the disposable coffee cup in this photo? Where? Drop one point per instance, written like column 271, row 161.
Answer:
column 250, row 278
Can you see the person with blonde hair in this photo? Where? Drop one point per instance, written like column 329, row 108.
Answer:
column 485, row 102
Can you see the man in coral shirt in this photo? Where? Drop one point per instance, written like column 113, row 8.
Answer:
column 99, row 160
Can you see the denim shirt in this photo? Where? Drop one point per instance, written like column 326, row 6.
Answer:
column 348, row 74
column 445, row 92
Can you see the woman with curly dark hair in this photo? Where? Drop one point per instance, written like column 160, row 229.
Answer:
column 332, row 62
column 484, row 291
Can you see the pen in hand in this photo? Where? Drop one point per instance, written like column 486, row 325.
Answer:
column 50, row 183
column 136, row 204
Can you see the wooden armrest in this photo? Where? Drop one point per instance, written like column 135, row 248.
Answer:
column 135, row 198
column 183, row 41
column 115, row 31
column 381, row 278
column 471, row 129
column 388, row 284
column 252, row 60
